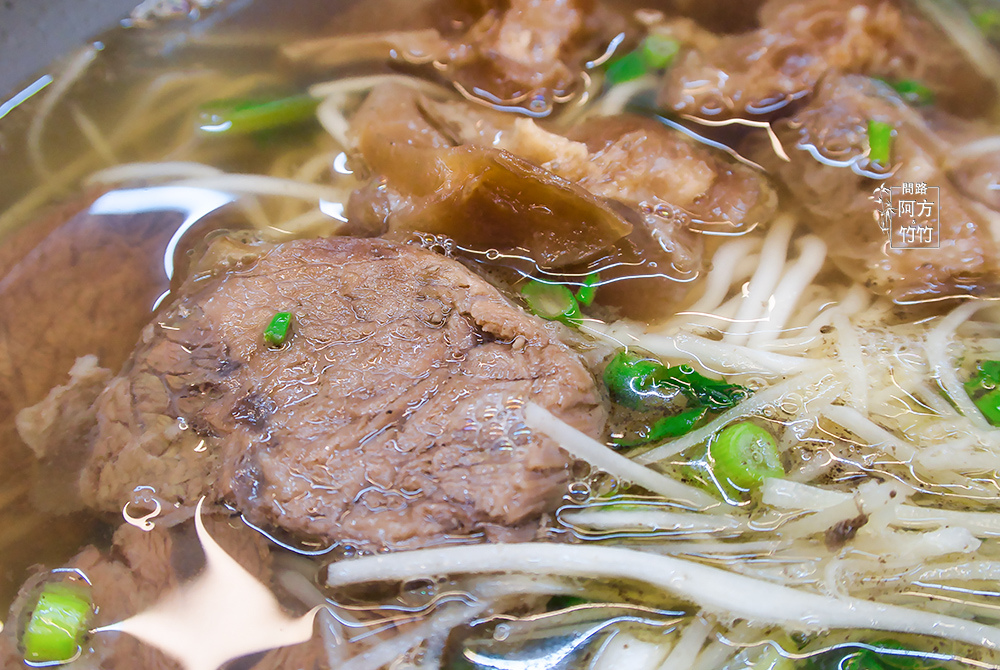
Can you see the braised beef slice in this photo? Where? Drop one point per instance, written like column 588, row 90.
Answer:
column 831, row 178
column 800, row 41
column 391, row 418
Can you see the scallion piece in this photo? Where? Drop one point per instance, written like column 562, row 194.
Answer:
column 633, row 381
column 879, row 142
column 588, row 291
column 984, row 390
column 744, row 455
column 554, row 302
column 988, row 22
column 714, row 393
column 226, row 117
column 645, row 383
column 57, row 624
column 913, row 91
column 277, row 331
column 667, row 427
column 658, row 51
column 630, row 66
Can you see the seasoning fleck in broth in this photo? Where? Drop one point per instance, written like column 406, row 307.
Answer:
column 506, row 334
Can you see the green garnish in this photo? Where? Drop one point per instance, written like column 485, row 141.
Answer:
column 744, row 455
column 585, row 294
column 863, row 658
column 633, row 381
column 667, row 427
column 277, row 331
column 658, row 51
column 714, row 393
column 554, row 302
column 655, row 53
column 227, row 117
column 984, row 390
column 879, row 142
column 57, row 624
column 628, row 67
column 988, row 22
column 913, row 91
column 644, row 383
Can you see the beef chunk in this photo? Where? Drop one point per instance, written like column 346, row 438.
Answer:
column 521, row 54
column 480, row 196
column 830, row 176
column 139, row 569
column 800, row 41
column 391, row 418
column 668, row 187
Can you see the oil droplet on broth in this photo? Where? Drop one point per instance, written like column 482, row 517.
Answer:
column 223, row 614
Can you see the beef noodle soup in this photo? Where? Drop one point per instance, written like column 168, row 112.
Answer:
column 510, row 335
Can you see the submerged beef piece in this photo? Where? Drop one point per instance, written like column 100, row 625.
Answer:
column 522, row 54
column 528, row 52
column 479, row 196
column 800, row 41
column 831, row 177
column 675, row 187
column 665, row 184
column 390, row 419
column 138, row 570
column 71, row 284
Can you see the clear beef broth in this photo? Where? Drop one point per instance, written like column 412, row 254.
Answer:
column 717, row 251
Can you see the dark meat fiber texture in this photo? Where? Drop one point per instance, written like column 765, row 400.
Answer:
column 762, row 71
column 390, row 419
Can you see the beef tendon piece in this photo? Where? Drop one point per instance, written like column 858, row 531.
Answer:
column 482, row 197
column 391, row 416
column 800, row 41
column 832, row 178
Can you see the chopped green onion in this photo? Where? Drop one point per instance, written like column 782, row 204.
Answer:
column 714, row 393
column 585, row 294
column 644, row 383
column 655, row 53
column 57, row 624
column 226, row 117
column 277, row 331
column 879, row 142
column 630, row 66
column 984, row 390
column 554, row 302
column 658, row 51
column 913, row 91
column 667, row 427
column 744, row 455
column 633, row 382
column 988, row 22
